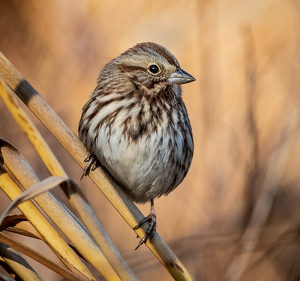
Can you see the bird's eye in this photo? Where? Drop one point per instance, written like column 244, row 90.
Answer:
column 153, row 68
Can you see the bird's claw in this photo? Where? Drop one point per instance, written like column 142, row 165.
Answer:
column 88, row 158
column 92, row 165
column 150, row 232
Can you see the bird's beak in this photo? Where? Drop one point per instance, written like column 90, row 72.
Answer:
column 181, row 77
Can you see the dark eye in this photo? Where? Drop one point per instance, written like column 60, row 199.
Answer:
column 153, row 68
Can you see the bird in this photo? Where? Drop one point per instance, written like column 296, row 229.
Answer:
column 136, row 125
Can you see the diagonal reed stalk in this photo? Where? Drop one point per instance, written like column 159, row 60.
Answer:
column 91, row 252
column 50, row 235
column 17, row 166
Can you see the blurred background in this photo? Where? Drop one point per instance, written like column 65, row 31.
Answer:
column 243, row 187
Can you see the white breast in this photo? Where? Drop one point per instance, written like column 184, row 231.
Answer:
column 146, row 167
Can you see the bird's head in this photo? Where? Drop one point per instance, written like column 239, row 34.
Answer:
column 148, row 65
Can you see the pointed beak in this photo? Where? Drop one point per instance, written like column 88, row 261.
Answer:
column 181, row 77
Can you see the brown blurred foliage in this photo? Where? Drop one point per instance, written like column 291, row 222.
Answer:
column 244, row 109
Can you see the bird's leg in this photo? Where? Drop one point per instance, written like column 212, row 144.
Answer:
column 92, row 164
column 152, row 227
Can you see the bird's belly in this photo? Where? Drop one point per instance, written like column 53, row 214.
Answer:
column 145, row 167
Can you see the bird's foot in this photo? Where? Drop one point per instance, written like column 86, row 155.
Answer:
column 92, row 165
column 151, row 229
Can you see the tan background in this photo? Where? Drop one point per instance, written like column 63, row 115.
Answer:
column 244, row 110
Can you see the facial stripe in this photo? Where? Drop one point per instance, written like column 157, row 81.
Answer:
column 127, row 68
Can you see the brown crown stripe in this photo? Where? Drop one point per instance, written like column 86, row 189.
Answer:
column 161, row 51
